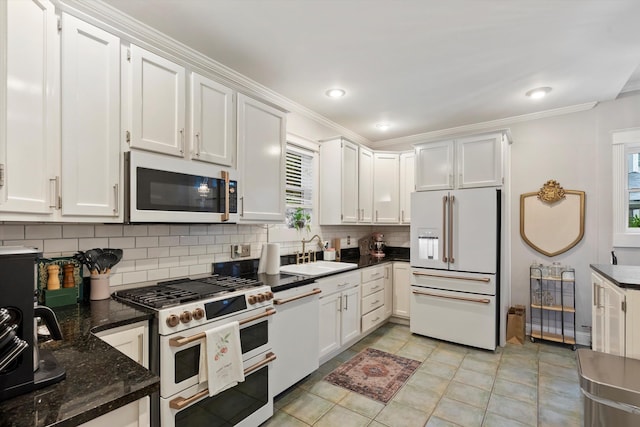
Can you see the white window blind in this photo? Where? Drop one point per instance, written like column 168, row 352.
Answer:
column 299, row 178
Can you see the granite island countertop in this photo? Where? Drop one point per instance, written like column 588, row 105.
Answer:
column 99, row 378
column 624, row 276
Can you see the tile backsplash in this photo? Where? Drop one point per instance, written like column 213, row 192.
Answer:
column 155, row 252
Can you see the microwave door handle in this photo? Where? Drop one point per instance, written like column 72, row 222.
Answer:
column 445, row 200
column 225, row 215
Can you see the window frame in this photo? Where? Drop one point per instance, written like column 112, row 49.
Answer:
column 625, row 142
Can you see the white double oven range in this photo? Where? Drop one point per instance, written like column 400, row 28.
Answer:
column 185, row 309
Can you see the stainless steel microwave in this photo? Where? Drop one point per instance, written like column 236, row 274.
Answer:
column 168, row 189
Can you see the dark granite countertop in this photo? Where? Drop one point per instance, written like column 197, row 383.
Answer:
column 99, row 378
column 624, row 276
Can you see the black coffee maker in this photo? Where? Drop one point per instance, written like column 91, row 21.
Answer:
column 22, row 367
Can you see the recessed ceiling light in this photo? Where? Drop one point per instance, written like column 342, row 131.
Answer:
column 539, row 92
column 335, row 93
column 383, row 126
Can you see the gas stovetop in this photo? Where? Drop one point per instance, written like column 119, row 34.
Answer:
column 180, row 291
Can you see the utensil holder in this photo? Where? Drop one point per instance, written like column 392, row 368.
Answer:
column 99, row 287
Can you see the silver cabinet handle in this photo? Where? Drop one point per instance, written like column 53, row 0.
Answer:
column 182, row 141
column 595, row 295
column 57, row 200
column 241, row 206
column 402, row 215
column 346, row 303
column 117, row 201
column 198, row 142
column 340, row 303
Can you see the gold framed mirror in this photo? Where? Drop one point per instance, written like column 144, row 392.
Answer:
column 552, row 219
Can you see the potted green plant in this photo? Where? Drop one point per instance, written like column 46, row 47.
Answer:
column 301, row 219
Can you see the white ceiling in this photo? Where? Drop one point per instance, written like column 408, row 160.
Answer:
column 421, row 65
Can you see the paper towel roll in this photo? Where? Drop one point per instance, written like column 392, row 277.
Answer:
column 262, row 264
column 273, row 258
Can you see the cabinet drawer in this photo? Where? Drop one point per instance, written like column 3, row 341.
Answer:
column 371, row 287
column 372, row 319
column 372, row 273
column 338, row 282
column 373, row 301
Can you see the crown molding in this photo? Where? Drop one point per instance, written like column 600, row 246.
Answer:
column 482, row 126
column 133, row 31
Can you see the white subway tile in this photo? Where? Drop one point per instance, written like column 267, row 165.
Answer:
column 159, row 230
column 115, row 279
column 11, row 232
column 134, row 277
column 147, row 264
column 198, row 230
column 223, row 257
column 215, row 249
column 236, row 238
column 158, row 252
column 206, row 259
column 188, row 260
column 109, row 230
column 159, row 274
column 206, row 240
column 31, row 243
column 197, row 250
column 179, row 230
column 230, row 229
column 147, row 242
column 125, row 266
column 122, row 242
column 134, row 254
column 198, row 269
column 43, row 231
column 61, row 245
column 188, row 240
column 169, row 241
column 214, row 229
column 135, row 230
column 220, row 239
column 168, row 262
column 179, row 251
column 249, row 238
column 92, row 243
column 179, row 272
column 77, row 230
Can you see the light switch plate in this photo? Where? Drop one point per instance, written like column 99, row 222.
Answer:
column 240, row 251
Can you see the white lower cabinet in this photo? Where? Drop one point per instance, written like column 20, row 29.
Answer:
column 374, row 297
column 401, row 289
column 339, row 313
column 133, row 341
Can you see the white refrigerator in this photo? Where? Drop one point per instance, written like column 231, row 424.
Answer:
column 455, row 253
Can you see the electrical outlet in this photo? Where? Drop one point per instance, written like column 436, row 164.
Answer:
column 240, row 251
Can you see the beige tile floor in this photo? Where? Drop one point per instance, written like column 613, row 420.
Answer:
column 536, row 384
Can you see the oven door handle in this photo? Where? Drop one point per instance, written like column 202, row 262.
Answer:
column 443, row 276
column 297, row 297
column 480, row 300
column 180, row 341
column 182, row 402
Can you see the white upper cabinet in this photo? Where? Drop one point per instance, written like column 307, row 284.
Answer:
column 90, row 121
column 474, row 161
column 212, row 137
column 339, row 181
column 29, row 113
column 157, row 103
column 407, row 185
column 365, row 185
column 261, row 141
column 386, row 188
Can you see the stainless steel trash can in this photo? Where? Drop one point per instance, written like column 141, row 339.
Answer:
column 611, row 388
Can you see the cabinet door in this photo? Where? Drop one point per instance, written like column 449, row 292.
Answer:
column 614, row 333
column 90, row 120
column 158, row 103
column 330, row 307
column 350, row 327
column 29, row 125
column 365, row 185
column 434, row 163
column 388, row 291
column 401, row 289
column 479, row 161
column 261, row 139
column 597, row 314
column 212, row 114
column 135, row 414
column 407, row 185
column 130, row 340
column 386, row 188
column 349, row 171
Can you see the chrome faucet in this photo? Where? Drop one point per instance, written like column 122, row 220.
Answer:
column 306, row 256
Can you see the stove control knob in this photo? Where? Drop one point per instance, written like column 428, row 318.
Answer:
column 269, row 295
column 252, row 299
column 185, row 317
column 261, row 297
column 173, row 321
column 198, row 313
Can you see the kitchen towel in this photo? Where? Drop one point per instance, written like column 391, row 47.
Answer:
column 221, row 365
column 273, row 258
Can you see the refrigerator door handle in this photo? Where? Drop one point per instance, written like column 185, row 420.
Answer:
column 445, row 202
column 451, row 201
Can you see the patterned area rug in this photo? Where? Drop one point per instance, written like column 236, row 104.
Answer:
column 374, row 373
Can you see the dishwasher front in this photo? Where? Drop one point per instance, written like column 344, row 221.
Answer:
column 611, row 388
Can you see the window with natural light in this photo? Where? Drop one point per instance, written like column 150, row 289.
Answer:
column 299, row 187
column 626, row 188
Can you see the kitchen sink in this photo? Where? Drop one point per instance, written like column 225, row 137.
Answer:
column 317, row 268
